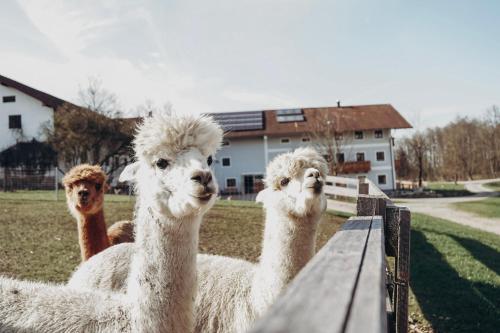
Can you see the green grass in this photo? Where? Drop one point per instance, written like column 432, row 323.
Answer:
column 454, row 269
column 445, row 186
column 455, row 277
column 489, row 207
column 493, row 185
column 38, row 237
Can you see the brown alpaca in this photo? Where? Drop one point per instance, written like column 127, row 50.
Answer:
column 85, row 186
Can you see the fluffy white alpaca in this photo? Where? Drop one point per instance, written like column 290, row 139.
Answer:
column 175, row 188
column 232, row 292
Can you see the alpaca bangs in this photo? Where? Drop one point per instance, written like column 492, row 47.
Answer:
column 84, row 172
column 161, row 134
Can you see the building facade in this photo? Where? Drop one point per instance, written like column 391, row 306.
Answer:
column 363, row 140
column 23, row 112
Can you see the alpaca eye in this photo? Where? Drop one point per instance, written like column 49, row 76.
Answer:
column 210, row 160
column 162, row 163
column 98, row 187
column 285, row 181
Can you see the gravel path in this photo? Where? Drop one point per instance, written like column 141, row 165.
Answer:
column 443, row 207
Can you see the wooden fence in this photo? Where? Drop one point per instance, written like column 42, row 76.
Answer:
column 352, row 284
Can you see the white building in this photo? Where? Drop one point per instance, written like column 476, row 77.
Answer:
column 23, row 112
column 254, row 138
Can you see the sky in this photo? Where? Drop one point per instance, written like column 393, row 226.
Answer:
column 431, row 59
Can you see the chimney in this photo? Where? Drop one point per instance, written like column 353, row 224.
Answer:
column 338, row 103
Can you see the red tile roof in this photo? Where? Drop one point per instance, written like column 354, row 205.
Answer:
column 345, row 118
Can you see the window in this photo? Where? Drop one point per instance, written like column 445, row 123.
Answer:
column 15, row 121
column 285, row 140
column 382, row 179
column 226, row 161
column 225, row 143
column 358, row 135
column 289, row 115
column 9, row 99
column 380, row 156
column 379, row 134
column 340, row 157
column 231, row 182
column 306, row 139
column 360, row 157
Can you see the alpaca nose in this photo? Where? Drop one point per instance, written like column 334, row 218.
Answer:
column 202, row 177
column 83, row 193
column 312, row 173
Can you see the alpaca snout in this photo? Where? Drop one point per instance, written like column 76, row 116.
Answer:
column 202, row 177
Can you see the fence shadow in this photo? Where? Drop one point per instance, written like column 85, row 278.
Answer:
column 449, row 302
column 481, row 252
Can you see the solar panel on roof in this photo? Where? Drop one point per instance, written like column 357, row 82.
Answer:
column 240, row 121
column 289, row 115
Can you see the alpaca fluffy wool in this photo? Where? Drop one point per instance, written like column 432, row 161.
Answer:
column 232, row 293
column 289, row 165
column 91, row 173
column 161, row 284
column 168, row 135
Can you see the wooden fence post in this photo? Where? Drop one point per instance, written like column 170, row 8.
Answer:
column 363, row 186
column 366, row 205
column 403, row 271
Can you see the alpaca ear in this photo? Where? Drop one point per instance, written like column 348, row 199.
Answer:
column 128, row 174
column 262, row 195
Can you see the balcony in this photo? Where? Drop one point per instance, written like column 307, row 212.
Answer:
column 354, row 167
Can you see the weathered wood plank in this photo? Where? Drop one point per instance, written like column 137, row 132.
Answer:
column 368, row 311
column 366, row 205
column 318, row 299
column 343, row 180
column 341, row 191
column 403, row 270
column 391, row 226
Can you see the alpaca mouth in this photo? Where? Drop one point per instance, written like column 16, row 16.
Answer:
column 316, row 187
column 204, row 197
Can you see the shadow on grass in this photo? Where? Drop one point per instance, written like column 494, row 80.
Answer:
column 449, row 302
column 486, row 255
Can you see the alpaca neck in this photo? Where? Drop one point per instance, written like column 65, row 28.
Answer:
column 162, row 280
column 92, row 234
column 289, row 243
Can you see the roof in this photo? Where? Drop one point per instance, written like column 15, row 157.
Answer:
column 345, row 118
column 46, row 99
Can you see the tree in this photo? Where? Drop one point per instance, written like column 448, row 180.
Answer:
column 329, row 138
column 90, row 134
column 418, row 148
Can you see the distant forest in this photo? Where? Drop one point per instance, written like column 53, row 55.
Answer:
column 467, row 148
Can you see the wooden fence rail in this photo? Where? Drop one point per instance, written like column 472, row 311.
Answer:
column 348, row 286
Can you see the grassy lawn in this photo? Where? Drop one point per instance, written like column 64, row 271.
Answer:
column 445, row 186
column 489, row 207
column 38, row 237
column 494, row 186
column 454, row 269
column 455, row 277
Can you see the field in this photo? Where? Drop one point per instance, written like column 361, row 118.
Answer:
column 454, row 269
column 445, row 186
column 455, row 277
column 38, row 237
column 489, row 207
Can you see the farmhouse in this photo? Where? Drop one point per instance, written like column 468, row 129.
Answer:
column 359, row 136
column 23, row 112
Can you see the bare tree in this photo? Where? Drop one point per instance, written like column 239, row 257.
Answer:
column 328, row 136
column 96, row 98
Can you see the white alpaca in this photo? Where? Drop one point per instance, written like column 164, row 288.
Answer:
column 175, row 188
column 232, row 292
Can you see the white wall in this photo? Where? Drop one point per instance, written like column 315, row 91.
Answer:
column 33, row 115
